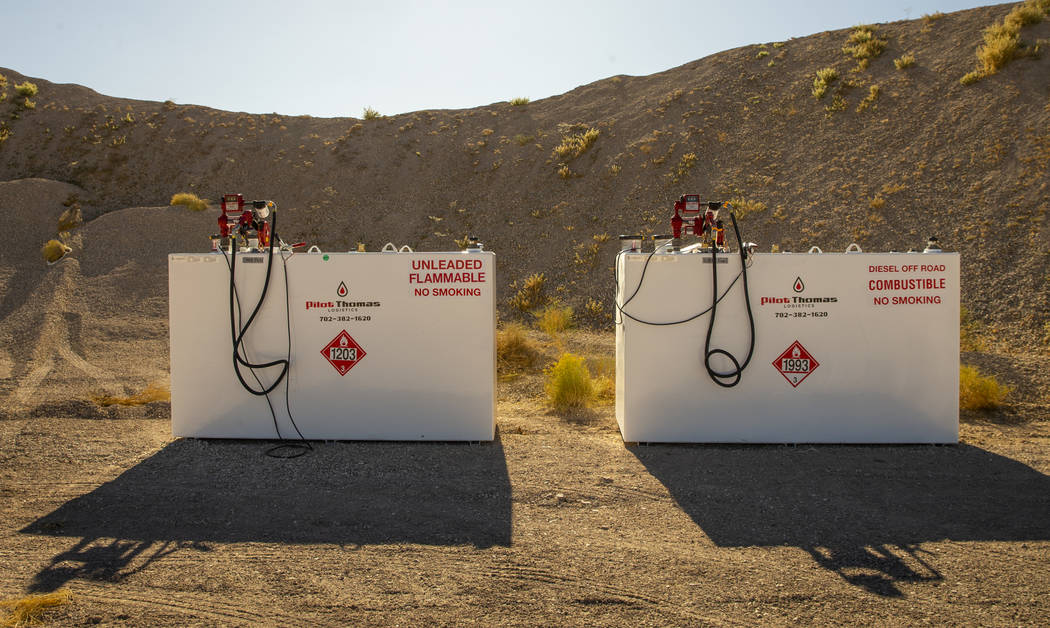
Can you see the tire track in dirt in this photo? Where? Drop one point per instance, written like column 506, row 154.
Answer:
column 591, row 592
column 199, row 607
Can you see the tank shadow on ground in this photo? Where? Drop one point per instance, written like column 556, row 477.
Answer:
column 860, row 511
column 193, row 492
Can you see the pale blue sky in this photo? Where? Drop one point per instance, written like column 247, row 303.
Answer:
column 329, row 58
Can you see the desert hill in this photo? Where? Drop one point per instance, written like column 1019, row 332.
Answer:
column 885, row 158
column 557, row 517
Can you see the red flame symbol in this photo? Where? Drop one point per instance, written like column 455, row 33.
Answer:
column 795, row 352
column 799, row 286
column 343, row 342
column 341, row 290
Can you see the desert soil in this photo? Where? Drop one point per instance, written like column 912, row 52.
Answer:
column 556, row 521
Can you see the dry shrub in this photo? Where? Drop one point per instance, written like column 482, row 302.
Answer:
column 904, row 61
column 1000, row 47
column 1002, row 42
column 514, row 350
column 576, row 144
column 604, row 370
column 371, row 114
column 741, row 207
column 27, row 89
column 27, row 611
column 70, row 219
column 864, row 45
column 684, row 166
column 980, row 392
column 825, row 77
column 53, row 251
column 554, row 319
column 569, row 385
column 151, row 393
column 869, row 100
column 530, row 295
column 519, row 101
column 190, row 201
column 594, row 309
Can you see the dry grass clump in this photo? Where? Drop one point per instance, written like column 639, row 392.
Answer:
column 594, row 311
column 151, row 393
column 27, row 611
column 531, row 295
column 554, row 319
column 569, row 385
column 575, row 144
column 1002, row 42
column 371, row 114
column 70, row 219
column 825, row 77
column 520, row 101
column 53, row 250
column 27, row 89
column 869, row 100
column 685, row 164
column 864, row 44
column 190, row 201
column 980, row 392
column 514, row 350
column 904, row 61
column 742, row 207
column 838, row 103
column 603, row 369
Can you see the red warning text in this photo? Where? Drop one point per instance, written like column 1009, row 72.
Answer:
column 457, row 271
column 929, row 283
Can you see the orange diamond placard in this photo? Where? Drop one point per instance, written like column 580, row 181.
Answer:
column 795, row 364
column 343, row 352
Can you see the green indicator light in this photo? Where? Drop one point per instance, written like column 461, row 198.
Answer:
column 325, row 258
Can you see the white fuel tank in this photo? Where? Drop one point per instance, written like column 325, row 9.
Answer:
column 849, row 348
column 384, row 346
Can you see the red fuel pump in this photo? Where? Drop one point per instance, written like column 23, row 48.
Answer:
column 243, row 223
column 691, row 215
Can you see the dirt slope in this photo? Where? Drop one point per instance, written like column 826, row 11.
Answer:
column 926, row 156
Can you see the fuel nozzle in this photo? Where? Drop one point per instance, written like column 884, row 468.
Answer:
column 720, row 235
column 932, row 245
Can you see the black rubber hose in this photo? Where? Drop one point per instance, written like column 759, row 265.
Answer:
column 641, row 279
column 237, row 338
column 738, row 368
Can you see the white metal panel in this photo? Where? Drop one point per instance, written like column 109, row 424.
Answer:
column 887, row 372
column 428, row 370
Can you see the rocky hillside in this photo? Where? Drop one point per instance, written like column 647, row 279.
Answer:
column 896, row 149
